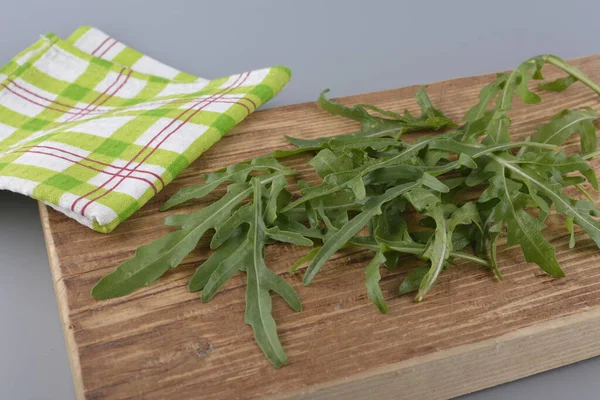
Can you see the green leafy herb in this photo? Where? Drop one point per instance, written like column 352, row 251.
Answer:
column 372, row 184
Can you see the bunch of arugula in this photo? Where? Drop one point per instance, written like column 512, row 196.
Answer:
column 371, row 180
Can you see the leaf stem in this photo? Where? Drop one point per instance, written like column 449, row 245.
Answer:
column 585, row 193
column 417, row 249
column 574, row 72
column 511, row 145
column 590, row 155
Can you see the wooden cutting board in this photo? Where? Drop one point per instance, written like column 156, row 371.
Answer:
column 472, row 332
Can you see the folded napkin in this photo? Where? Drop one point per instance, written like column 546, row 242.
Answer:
column 95, row 129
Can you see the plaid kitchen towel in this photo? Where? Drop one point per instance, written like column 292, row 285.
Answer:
column 95, row 129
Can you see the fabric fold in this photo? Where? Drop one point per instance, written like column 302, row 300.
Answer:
column 95, row 129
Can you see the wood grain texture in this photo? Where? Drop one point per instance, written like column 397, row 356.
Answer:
column 472, row 332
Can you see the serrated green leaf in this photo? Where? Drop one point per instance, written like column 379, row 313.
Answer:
column 155, row 258
column 372, row 278
column 225, row 270
column 571, row 230
column 309, row 256
column 277, row 186
column 486, row 96
column 288, row 237
column 413, row 281
column 237, row 173
column 438, row 252
column 342, row 236
column 421, row 198
column 260, row 281
column 433, row 183
column 242, row 215
column 572, row 208
column 566, row 123
column 523, row 229
column 205, row 270
column 559, row 84
column 367, row 177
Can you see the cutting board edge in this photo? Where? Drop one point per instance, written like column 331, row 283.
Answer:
column 63, row 310
column 540, row 347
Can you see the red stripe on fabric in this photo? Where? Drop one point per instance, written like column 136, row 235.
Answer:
column 245, row 98
column 100, row 45
column 154, row 149
column 42, row 97
column 99, row 96
column 179, row 101
column 34, row 102
column 113, row 93
column 83, row 158
column 163, row 102
column 90, row 167
column 108, row 48
column 234, row 102
column 95, row 111
column 230, row 87
column 172, row 101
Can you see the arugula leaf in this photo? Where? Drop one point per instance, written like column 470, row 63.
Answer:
column 558, row 85
column 413, row 281
column 154, row 259
column 237, row 173
column 342, row 236
column 261, row 281
column 204, row 272
column 431, row 118
column 523, row 229
column 373, row 127
column 566, row 123
column 352, row 179
column 372, row 278
column 438, row 251
column 579, row 210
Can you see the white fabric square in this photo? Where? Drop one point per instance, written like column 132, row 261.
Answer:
column 111, row 81
column 95, row 211
column 182, row 88
column 25, row 186
column 24, row 142
column 6, row 131
column 256, row 77
column 83, row 111
column 34, row 93
column 130, row 89
column 60, row 65
column 148, row 65
column 29, row 55
column 180, row 135
column 148, row 105
column 111, row 50
column 62, row 149
column 19, row 104
column 233, row 80
column 91, row 40
column 103, row 127
column 77, row 217
column 216, row 103
column 135, row 185
column 99, row 212
column 43, row 158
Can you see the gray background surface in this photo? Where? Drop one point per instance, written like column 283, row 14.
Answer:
column 349, row 46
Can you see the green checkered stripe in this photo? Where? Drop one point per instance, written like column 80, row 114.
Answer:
column 84, row 131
